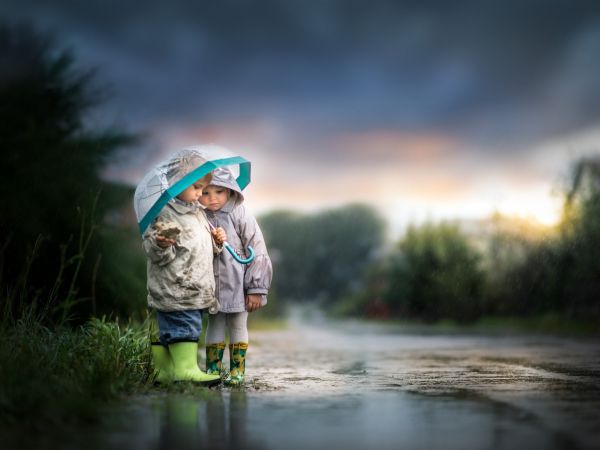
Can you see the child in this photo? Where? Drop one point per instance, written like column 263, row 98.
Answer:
column 239, row 288
column 181, row 281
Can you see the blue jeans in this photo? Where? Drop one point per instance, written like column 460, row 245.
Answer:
column 179, row 326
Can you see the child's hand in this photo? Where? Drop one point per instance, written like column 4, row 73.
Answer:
column 219, row 235
column 164, row 242
column 253, row 302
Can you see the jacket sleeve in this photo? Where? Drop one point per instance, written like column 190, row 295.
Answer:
column 157, row 255
column 259, row 273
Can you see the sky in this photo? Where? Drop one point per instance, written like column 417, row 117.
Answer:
column 425, row 110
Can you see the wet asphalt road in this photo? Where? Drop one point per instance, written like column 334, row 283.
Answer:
column 322, row 385
column 392, row 389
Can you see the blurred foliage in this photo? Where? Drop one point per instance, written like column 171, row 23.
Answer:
column 322, row 256
column 434, row 274
column 560, row 273
column 55, row 244
column 580, row 249
column 501, row 267
column 504, row 269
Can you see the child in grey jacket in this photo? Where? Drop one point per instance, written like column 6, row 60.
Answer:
column 239, row 288
column 180, row 279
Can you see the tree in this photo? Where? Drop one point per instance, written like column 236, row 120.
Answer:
column 560, row 274
column 580, row 250
column 49, row 176
column 434, row 274
column 325, row 255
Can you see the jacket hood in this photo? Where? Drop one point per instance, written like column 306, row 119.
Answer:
column 223, row 177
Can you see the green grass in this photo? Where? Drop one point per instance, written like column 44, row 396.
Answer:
column 55, row 376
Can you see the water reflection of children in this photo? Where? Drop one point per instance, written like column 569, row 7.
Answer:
column 240, row 288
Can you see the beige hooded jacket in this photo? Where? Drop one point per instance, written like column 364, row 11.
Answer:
column 180, row 277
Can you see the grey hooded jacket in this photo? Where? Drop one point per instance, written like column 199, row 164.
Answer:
column 234, row 280
column 180, row 277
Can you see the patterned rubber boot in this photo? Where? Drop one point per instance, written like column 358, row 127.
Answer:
column 185, row 364
column 163, row 364
column 214, row 358
column 237, row 364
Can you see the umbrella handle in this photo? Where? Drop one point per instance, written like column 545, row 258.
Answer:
column 232, row 252
column 239, row 259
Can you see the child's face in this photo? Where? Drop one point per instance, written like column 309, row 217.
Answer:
column 214, row 197
column 193, row 193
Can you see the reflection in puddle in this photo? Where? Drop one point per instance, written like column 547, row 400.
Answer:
column 213, row 419
column 379, row 420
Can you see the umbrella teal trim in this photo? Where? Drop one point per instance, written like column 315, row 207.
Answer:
column 242, row 180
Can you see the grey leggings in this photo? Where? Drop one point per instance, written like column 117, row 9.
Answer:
column 235, row 324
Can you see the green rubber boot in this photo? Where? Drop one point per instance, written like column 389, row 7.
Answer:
column 214, row 358
column 163, row 364
column 237, row 364
column 185, row 364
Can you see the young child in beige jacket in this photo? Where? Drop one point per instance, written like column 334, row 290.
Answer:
column 180, row 279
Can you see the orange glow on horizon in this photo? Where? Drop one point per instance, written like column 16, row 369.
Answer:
column 406, row 176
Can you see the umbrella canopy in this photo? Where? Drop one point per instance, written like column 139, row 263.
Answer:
column 171, row 177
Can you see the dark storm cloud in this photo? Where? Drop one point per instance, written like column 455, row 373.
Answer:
column 488, row 71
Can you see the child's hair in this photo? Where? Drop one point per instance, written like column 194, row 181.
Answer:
column 207, row 178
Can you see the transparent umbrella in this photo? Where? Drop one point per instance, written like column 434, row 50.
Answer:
column 171, row 177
